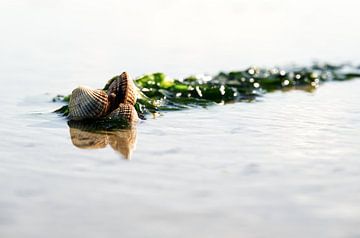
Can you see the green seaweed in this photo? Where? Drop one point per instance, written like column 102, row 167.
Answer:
column 61, row 98
column 157, row 92
column 102, row 124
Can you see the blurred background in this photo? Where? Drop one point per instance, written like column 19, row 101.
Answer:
column 79, row 39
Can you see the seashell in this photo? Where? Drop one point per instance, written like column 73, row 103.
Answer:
column 86, row 103
column 125, row 112
column 122, row 90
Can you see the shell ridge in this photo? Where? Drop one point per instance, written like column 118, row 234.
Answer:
column 86, row 102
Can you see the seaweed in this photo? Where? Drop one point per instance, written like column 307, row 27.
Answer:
column 158, row 92
column 101, row 124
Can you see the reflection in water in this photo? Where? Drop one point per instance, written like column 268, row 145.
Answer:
column 305, row 88
column 123, row 141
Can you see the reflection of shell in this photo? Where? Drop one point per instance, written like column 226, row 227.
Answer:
column 123, row 141
column 87, row 103
column 122, row 90
column 125, row 112
column 88, row 140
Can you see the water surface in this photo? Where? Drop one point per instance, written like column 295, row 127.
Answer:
column 286, row 165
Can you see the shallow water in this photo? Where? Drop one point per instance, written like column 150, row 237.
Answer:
column 286, row 165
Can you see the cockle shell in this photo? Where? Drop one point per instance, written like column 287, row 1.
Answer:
column 122, row 90
column 86, row 103
column 125, row 112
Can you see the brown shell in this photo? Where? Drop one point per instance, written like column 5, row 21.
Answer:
column 122, row 90
column 124, row 112
column 86, row 103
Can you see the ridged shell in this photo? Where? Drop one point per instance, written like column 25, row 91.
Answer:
column 86, row 103
column 124, row 112
column 122, row 90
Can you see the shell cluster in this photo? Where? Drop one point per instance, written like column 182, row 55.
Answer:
column 115, row 103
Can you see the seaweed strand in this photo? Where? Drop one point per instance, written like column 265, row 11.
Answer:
column 157, row 92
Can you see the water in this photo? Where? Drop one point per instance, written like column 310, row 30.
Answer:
column 284, row 166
